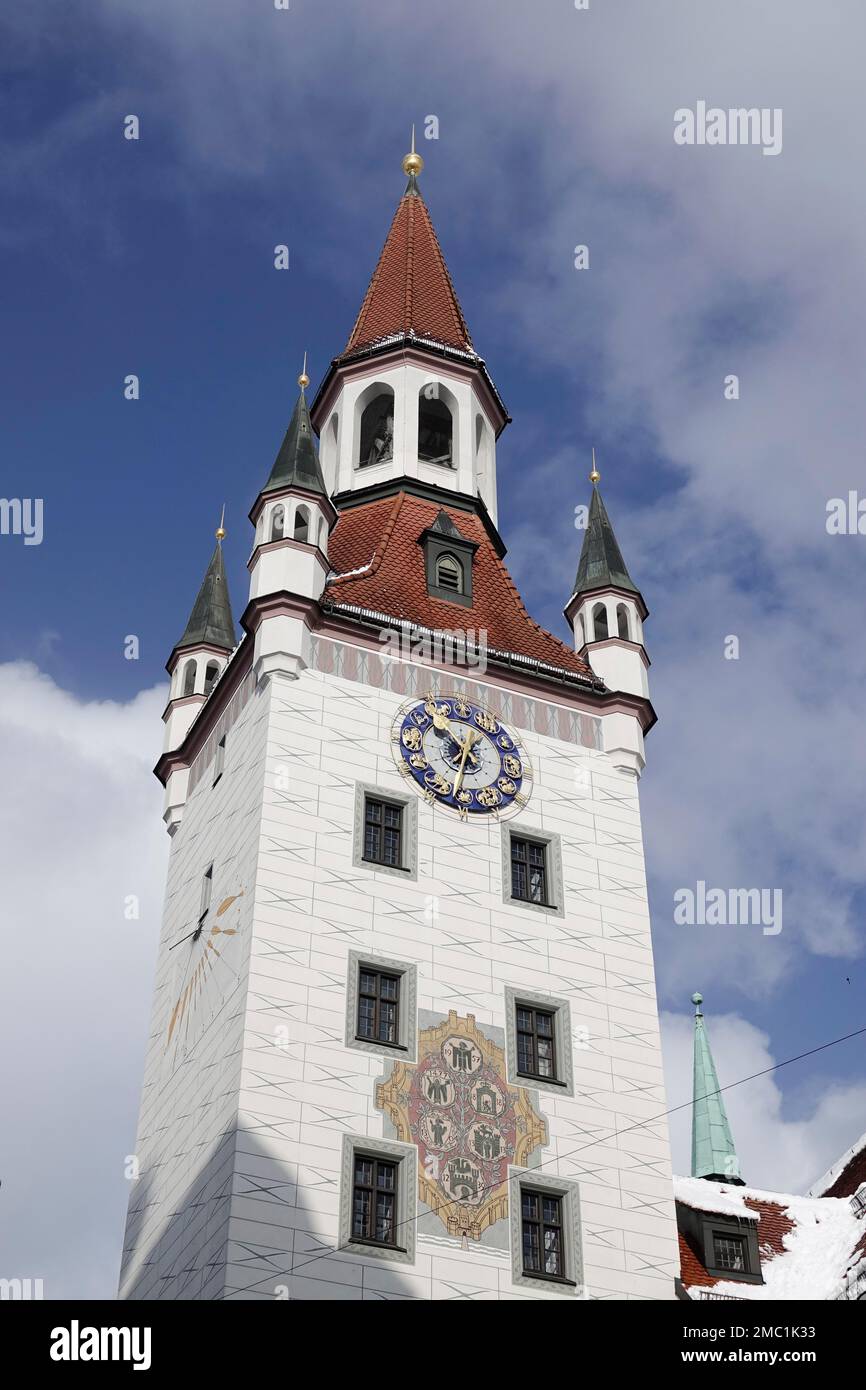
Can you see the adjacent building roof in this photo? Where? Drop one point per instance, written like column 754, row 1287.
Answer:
column 210, row 622
column 601, row 565
column 379, row 565
column 810, row 1247
column 297, row 463
column 410, row 294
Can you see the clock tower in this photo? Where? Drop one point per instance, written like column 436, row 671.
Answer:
column 405, row 1036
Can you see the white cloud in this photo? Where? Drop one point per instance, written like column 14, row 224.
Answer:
column 80, row 830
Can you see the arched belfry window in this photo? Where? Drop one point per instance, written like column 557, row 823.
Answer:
column 449, row 574
column 212, row 671
column 278, row 523
column 435, row 427
column 302, row 524
column 599, row 623
column 189, row 678
column 377, row 430
column 622, row 621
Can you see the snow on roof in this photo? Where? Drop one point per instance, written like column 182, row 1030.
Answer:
column 816, row 1255
column 820, row 1187
column 721, row 1198
column 809, row 1245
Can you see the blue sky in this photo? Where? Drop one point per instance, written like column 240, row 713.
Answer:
column 555, row 128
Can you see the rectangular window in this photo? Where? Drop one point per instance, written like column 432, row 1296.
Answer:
column 206, row 885
column 542, row 1230
column 378, row 1006
column 374, row 1200
column 383, row 832
column 528, row 871
column 536, row 1042
column 729, row 1252
column 219, row 760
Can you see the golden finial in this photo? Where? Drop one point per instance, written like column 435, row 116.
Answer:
column 303, row 379
column 594, row 475
column 412, row 162
column 221, row 530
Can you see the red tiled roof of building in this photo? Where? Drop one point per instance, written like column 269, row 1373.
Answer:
column 411, row 291
column 692, row 1270
column 380, row 565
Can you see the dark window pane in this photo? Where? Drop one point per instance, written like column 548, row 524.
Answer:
column 385, row 1217
column 524, row 1020
column 551, row 1211
column 386, row 1176
column 530, row 1206
column 374, row 812
column 531, row 1252
column 361, row 1213
column 371, row 842
column 525, row 1056
column 536, row 886
column 552, row 1263
column 388, row 988
column 364, row 1171
column 544, row 1025
column 391, row 853
column 388, row 1022
column 368, row 983
column 392, row 816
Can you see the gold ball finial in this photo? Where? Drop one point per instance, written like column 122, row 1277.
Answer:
column 220, row 532
column 594, row 476
column 412, row 162
column 303, row 379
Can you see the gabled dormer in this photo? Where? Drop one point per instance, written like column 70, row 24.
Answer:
column 448, row 556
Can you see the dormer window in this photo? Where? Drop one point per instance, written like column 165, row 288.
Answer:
column 449, row 561
column 449, row 574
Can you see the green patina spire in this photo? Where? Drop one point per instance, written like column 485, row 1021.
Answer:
column 297, row 464
column 713, row 1152
column 210, row 622
column 601, row 565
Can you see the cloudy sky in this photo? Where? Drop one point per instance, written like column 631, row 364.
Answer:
column 155, row 257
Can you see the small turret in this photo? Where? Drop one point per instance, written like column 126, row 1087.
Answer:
column 293, row 517
column 196, row 663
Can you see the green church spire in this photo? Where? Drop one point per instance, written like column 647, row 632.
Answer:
column 713, row 1152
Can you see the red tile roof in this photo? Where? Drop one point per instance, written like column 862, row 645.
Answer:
column 381, row 540
column 411, row 291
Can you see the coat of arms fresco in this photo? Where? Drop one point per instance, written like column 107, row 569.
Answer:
column 468, row 1123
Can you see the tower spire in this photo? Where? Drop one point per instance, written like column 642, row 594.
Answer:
column 601, row 565
column 297, row 463
column 713, row 1153
column 210, row 622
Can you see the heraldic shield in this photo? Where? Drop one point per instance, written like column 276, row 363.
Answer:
column 469, row 1124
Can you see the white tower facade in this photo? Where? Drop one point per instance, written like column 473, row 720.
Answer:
column 405, row 1032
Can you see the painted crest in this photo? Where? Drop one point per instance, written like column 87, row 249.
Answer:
column 469, row 1124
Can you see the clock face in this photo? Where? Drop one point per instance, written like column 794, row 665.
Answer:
column 205, row 973
column 461, row 757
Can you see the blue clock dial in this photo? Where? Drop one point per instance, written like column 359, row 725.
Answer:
column 461, row 757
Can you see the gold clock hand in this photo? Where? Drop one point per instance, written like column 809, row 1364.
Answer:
column 471, row 737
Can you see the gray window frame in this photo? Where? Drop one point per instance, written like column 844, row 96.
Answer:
column 563, row 1083
column 406, row 1158
column 406, row 1047
column 408, row 836
column 552, row 863
column 568, row 1191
